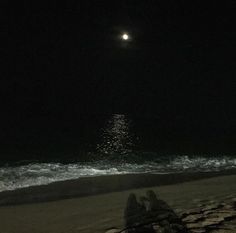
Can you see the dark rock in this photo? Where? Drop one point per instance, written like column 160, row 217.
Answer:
column 234, row 203
column 211, row 207
column 155, row 203
column 198, row 231
column 115, row 230
column 191, row 211
column 212, row 221
column 194, row 225
column 193, row 218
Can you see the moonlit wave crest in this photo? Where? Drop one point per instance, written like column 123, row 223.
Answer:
column 44, row 173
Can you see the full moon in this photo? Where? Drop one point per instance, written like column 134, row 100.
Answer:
column 125, row 36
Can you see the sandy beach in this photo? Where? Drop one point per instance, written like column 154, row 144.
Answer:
column 67, row 207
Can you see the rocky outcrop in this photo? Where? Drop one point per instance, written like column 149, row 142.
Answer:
column 152, row 215
column 212, row 217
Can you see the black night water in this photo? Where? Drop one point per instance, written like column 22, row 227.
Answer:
column 115, row 144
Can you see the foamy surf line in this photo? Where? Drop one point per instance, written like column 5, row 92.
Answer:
column 87, row 186
column 35, row 174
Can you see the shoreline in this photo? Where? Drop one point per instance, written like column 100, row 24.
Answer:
column 99, row 213
column 91, row 186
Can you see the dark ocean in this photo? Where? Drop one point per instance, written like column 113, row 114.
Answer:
column 41, row 153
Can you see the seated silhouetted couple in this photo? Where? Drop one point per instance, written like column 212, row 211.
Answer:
column 151, row 215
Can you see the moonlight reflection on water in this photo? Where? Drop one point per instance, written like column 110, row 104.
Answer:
column 116, row 136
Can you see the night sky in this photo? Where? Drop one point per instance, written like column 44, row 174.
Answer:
column 67, row 61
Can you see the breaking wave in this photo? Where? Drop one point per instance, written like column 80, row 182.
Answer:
column 44, row 173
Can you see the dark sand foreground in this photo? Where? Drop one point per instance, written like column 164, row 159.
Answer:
column 102, row 210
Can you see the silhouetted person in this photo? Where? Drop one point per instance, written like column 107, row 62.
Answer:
column 151, row 211
column 134, row 217
column 157, row 204
column 160, row 212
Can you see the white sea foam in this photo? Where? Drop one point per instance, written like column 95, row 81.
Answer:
column 44, row 173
